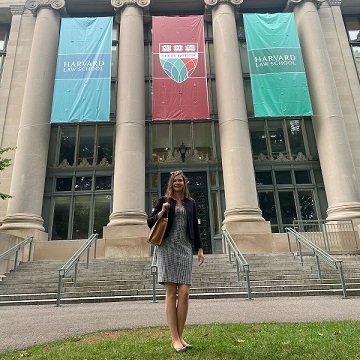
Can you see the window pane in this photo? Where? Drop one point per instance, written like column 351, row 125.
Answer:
column 248, row 98
column 277, row 139
column 81, row 217
column 287, row 206
column 263, row 178
column 353, row 27
column 267, row 206
column 295, row 138
column 307, row 205
column 67, row 146
column 283, row 177
column 203, row 141
column 244, row 58
column 3, row 36
column 160, row 142
column 303, row 177
column 63, row 184
column 181, row 134
column 101, row 212
column 83, row 183
column 103, row 183
column 105, row 145
column 258, row 138
column 52, row 147
column 86, row 146
column 356, row 51
column 61, row 218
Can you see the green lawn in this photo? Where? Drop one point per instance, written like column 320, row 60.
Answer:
column 324, row 340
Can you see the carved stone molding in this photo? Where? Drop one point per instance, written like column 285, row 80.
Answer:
column 213, row 3
column 292, row 3
column 17, row 9
column 335, row 2
column 119, row 4
column 35, row 5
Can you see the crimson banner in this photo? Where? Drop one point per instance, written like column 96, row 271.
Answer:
column 179, row 68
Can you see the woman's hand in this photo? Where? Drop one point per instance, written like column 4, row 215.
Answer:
column 200, row 256
column 165, row 207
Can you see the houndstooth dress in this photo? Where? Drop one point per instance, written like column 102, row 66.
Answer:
column 175, row 257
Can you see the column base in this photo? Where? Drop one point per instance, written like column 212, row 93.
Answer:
column 21, row 221
column 126, row 241
column 124, row 218
column 252, row 237
column 243, row 215
column 344, row 211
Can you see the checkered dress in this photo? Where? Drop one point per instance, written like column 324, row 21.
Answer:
column 175, row 255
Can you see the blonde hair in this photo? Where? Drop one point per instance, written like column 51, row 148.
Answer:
column 170, row 191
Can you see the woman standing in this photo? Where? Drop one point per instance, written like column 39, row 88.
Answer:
column 175, row 254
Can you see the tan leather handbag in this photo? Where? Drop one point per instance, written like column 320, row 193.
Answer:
column 157, row 232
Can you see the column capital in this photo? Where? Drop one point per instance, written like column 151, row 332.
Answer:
column 119, row 4
column 212, row 3
column 335, row 2
column 17, row 9
column 35, row 5
column 292, row 3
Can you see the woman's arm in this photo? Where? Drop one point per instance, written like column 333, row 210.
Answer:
column 154, row 215
column 159, row 211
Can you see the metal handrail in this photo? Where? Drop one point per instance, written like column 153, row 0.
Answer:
column 154, row 273
column 74, row 262
column 319, row 254
column 15, row 249
column 239, row 258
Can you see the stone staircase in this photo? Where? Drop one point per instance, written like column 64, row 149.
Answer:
column 131, row 279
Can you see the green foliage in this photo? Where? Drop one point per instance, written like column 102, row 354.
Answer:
column 4, row 163
column 261, row 341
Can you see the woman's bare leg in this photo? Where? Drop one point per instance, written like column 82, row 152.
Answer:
column 182, row 310
column 171, row 314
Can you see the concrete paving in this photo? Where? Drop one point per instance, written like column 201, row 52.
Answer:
column 24, row 326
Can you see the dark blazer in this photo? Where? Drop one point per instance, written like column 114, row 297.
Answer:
column 192, row 219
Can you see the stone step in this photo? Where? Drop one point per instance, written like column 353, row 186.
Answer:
column 127, row 279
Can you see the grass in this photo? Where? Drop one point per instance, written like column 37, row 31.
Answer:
column 305, row 341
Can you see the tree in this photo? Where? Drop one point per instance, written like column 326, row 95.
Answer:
column 4, row 163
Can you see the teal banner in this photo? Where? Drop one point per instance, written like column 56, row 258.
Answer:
column 277, row 74
column 83, row 70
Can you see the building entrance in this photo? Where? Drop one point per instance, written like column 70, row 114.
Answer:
column 199, row 192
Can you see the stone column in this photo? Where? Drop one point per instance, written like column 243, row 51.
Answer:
column 242, row 211
column 340, row 180
column 16, row 11
column 127, row 231
column 28, row 178
column 8, row 86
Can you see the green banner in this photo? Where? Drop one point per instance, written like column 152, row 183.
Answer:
column 278, row 79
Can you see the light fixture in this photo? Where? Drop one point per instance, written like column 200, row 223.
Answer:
column 182, row 149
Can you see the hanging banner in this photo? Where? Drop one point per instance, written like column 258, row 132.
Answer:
column 277, row 73
column 83, row 70
column 179, row 71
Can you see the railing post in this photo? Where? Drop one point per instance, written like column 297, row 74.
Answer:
column 30, row 249
column 76, row 272
column 247, row 271
column 59, row 290
column 300, row 251
column 326, row 238
column 289, row 242
column 154, row 274
column 355, row 234
column 342, row 279
column 318, row 266
column 16, row 259
column 87, row 257
column 95, row 245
